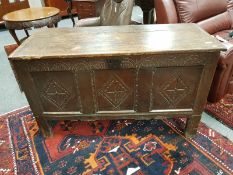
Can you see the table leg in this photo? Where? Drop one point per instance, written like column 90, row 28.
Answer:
column 13, row 34
column 26, row 31
column 44, row 126
column 192, row 125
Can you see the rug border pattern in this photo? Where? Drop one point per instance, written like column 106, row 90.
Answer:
column 206, row 151
column 29, row 145
column 11, row 147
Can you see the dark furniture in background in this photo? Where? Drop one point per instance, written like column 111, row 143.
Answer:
column 110, row 15
column 60, row 4
column 98, row 76
column 92, row 8
column 215, row 17
column 84, row 8
column 6, row 7
column 148, row 10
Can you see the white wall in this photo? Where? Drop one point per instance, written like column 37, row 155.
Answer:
column 35, row 3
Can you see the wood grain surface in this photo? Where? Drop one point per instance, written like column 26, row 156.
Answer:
column 31, row 14
column 116, row 40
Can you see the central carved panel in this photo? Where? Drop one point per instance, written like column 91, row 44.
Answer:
column 115, row 91
column 174, row 90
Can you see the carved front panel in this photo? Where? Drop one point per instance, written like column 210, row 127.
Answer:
column 57, row 91
column 174, row 87
column 137, row 84
column 114, row 89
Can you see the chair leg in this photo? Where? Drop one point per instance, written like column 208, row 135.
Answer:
column 26, row 31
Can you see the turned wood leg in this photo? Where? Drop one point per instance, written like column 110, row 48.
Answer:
column 26, row 31
column 13, row 34
column 44, row 126
column 192, row 125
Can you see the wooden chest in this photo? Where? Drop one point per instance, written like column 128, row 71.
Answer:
column 117, row 72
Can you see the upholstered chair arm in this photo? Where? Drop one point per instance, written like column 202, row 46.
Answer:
column 165, row 12
column 87, row 22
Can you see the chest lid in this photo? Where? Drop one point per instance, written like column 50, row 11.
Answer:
column 97, row 42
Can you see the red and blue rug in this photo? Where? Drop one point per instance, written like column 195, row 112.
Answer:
column 123, row 147
column 222, row 110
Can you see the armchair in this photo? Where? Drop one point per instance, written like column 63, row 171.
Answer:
column 216, row 18
column 114, row 12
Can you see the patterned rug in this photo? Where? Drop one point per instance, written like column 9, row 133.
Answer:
column 124, row 147
column 222, row 110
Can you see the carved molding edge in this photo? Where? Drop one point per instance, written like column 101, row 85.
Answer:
column 129, row 62
column 36, row 23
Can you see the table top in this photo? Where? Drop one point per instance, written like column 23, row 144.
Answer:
column 31, row 14
column 100, row 41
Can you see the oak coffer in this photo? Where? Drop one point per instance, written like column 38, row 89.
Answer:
column 117, row 72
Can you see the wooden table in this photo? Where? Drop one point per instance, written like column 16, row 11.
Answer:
column 31, row 17
column 117, row 72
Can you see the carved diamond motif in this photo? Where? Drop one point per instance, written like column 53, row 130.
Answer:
column 56, row 94
column 174, row 90
column 115, row 91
